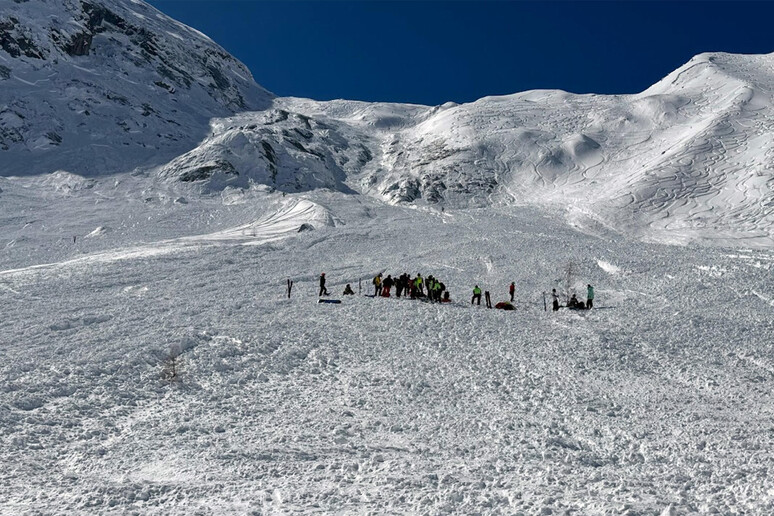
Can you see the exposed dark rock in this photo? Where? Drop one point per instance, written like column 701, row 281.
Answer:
column 300, row 146
column 176, row 74
column 306, row 120
column 405, row 190
column 16, row 44
column 206, row 171
column 98, row 15
column 437, row 152
column 279, row 115
column 164, row 85
column 433, row 188
column 80, row 44
column 364, row 156
column 268, row 151
column 118, row 98
column 271, row 157
column 5, row 72
column 221, row 81
column 304, row 133
column 294, row 143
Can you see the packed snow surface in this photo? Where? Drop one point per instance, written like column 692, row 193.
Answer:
column 660, row 397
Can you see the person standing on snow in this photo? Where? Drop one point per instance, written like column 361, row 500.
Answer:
column 437, row 290
column 555, row 297
column 512, row 290
column 387, row 285
column 434, row 289
column 377, row 281
column 323, row 290
column 476, row 295
column 589, row 296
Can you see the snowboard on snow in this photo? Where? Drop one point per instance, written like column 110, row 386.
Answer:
column 331, row 301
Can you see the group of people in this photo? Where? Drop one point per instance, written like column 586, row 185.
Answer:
column 574, row 303
column 435, row 291
column 429, row 288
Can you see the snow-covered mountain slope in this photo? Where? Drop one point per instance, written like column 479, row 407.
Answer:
column 104, row 86
column 691, row 158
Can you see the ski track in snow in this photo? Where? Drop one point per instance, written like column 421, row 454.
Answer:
column 660, row 397
column 292, row 217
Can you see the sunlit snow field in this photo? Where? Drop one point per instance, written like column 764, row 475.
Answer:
column 659, row 399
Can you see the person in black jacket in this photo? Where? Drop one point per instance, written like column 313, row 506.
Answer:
column 323, row 290
column 387, row 285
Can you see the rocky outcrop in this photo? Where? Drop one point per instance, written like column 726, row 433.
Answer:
column 15, row 42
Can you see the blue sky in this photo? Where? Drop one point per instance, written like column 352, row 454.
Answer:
column 433, row 52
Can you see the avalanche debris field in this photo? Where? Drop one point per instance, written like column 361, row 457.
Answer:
column 157, row 368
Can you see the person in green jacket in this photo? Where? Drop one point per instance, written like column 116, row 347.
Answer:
column 589, row 296
column 476, row 295
column 436, row 291
column 418, row 284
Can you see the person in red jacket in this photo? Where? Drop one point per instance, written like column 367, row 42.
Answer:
column 512, row 290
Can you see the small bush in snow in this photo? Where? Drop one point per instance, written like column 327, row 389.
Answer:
column 172, row 364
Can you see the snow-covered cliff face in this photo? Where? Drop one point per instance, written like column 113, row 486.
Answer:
column 99, row 86
column 694, row 152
